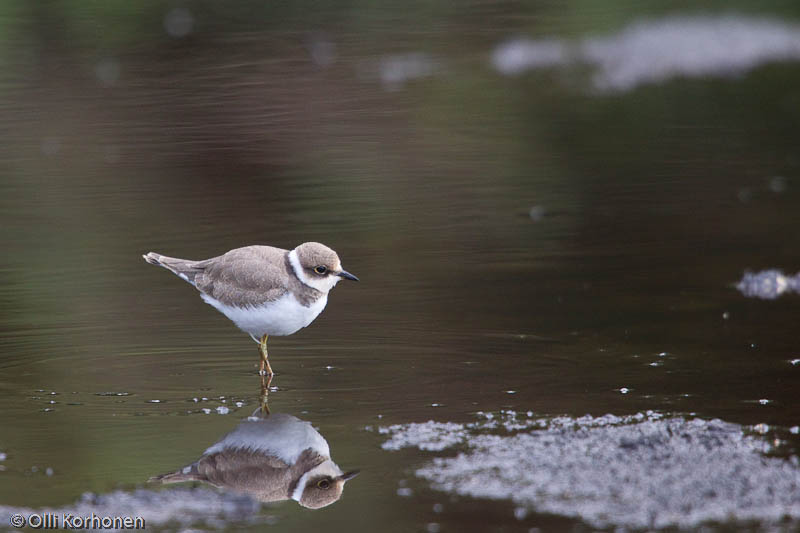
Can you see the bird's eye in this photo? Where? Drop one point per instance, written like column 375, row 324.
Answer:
column 323, row 483
column 320, row 270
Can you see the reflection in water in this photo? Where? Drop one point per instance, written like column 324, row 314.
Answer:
column 768, row 284
column 389, row 137
column 271, row 457
column 658, row 50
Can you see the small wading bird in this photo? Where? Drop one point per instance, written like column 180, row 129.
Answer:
column 272, row 458
column 263, row 290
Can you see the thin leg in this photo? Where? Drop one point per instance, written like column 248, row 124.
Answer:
column 265, row 395
column 264, row 369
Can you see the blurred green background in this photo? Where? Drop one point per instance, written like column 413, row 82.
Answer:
column 527, row 233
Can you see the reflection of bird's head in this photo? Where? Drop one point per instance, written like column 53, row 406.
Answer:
column 324, row 490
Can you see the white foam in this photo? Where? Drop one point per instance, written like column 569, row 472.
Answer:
column 644, row 471
column 654, row 51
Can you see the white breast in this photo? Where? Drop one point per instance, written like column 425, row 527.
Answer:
column 284, row 316
column 281, row 435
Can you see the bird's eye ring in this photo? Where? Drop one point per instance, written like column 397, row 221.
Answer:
column 320, row 270
column 323, row 483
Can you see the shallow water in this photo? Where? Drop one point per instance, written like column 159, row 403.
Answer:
column 524, row 243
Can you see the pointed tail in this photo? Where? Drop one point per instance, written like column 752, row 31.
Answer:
column 153, row 258
column 189, row 473
column 185, row 269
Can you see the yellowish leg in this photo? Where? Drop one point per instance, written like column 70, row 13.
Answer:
column 265, row 394
column 264, row 369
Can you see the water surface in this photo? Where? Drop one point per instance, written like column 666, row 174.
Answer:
column 524, row 243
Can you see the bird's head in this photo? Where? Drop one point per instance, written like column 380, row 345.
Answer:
column 324, row 490
column 318, row 266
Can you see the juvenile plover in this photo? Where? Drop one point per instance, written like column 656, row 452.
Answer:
column 263, row 290
column 272, row 458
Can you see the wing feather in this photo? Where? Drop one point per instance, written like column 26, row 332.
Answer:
column 251, row 275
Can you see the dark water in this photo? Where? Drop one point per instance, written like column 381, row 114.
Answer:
column 523, row 242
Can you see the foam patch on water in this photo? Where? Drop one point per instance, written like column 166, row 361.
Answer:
column 183, row 506
column 429, row 436
column 654, row 51
column 397, row 70
column 768, row 284
column 640, row 471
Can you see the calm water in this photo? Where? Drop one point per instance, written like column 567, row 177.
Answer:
column 524, row 242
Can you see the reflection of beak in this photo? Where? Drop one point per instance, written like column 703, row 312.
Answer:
column 347, row 275
column 347, row 476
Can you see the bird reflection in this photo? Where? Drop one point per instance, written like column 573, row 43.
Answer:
column 271, row 457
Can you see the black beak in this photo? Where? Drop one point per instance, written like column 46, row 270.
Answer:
column 347, row 476
column 347, row 275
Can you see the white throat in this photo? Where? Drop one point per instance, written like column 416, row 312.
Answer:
column 324, row 284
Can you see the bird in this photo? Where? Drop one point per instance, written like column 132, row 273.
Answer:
column 272, row 458
column 264, row 290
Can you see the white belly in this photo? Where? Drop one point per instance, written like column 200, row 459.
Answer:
column 280, row 434
column 281, row 317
